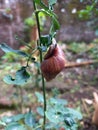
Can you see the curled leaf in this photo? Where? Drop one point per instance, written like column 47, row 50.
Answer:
column 21, row 77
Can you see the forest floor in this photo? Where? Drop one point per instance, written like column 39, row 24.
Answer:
column 76, row 85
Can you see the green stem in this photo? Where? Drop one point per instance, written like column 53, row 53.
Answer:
column 41, row 58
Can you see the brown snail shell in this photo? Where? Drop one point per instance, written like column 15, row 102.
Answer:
column 54, row 62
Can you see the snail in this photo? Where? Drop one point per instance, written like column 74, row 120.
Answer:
column 53, row 63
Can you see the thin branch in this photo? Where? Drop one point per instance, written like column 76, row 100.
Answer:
column 73, row 64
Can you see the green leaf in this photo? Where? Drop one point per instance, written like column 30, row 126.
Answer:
column 56, row 24
column 30, row 120
column 40, row 111
column 30, row 21
column 8, row 49
column 10, row 119
column 37, row 1
column 53, row 116
column 15, row 126
column 58, row 101
column 84, row 14
column 68, row 119
column 2, row 123
column 40, row 97
column 18, row 117
column 89, row 7
column 52, row 2
column 57, row 112
column 74, row 113
column 52, row 126
column 96, row 32
column 46, row 40
column 21, row 77
column 7, row 119
column 40, row 3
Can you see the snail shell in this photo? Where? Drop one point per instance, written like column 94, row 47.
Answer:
column 54, row 62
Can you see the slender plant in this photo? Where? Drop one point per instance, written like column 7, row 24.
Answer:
column 46, row 10
column 41, row 58
column 53, row 115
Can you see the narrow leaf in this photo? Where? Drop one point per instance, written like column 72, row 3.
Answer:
column 15, row 126
column 41, row 4
column 8, row 49
column 40, row 111
column 18, row 117
column 40, row 97
column 55, row 22
column 30, row 120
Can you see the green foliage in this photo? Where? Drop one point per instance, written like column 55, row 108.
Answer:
column 21, row 77
column 10, row 119
column 15, row 126
column 77, row 47
column 19, row 122
column 90, row 14
column 96, row 32
column 55, row 24
column 93, row 52
column 30, row 119
column 41, row 4
column 40, row 97
column 46, row 40
column 57, row 115
column 8, row 49
column 49, row 12
column 89, row 11
column 52, row 2
column 11, row 57
column 80, row 48
column 31, row 21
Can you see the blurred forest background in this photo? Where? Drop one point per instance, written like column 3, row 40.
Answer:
column 77, row 36
column 73, row 28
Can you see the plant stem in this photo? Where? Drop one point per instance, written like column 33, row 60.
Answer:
column 41, row 58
